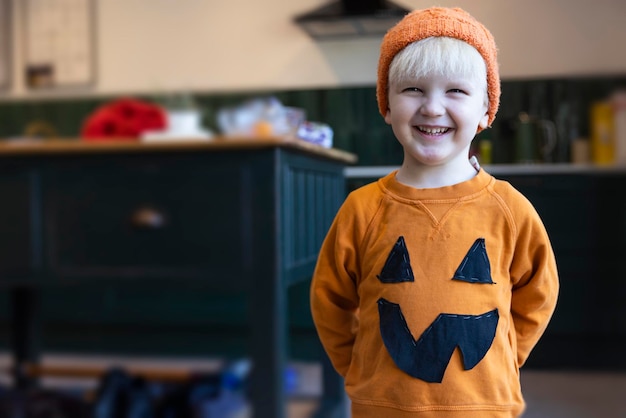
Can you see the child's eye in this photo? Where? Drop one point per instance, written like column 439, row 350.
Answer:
column 412, row 89
column 456, row 91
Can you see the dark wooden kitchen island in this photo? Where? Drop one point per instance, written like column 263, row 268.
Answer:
column 243, row 213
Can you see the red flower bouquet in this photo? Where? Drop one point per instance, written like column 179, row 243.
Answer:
column 123, row 119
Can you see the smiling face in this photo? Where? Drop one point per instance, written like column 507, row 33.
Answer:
column 437, row 101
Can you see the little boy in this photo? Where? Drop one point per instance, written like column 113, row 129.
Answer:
column 435, row 282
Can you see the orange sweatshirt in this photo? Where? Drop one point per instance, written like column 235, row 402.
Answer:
column 428, row 301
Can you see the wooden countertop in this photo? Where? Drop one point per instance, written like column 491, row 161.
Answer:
column 501, row 169
column 25, row 147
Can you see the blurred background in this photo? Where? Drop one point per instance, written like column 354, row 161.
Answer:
column 563, row 71
column 557, row 59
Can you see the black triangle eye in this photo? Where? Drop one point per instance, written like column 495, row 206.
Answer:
column 475, row 267
column 397, row 268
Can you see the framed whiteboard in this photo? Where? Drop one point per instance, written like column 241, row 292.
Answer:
column 59, row 43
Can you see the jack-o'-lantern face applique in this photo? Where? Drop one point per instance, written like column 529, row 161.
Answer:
column 428, row 357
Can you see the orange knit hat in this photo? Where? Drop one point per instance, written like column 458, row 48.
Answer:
column 439, row 21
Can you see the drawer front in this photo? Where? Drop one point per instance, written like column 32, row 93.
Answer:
column 155, row 218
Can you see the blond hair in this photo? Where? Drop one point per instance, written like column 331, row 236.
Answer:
column 441, row 56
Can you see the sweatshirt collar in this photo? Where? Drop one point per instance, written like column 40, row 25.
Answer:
column 390, row 185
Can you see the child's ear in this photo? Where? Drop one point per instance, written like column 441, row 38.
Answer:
column 388, row 117
column 484, row 121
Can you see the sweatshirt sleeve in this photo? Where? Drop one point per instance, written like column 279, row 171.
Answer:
column 334, row 298
column 536, row 283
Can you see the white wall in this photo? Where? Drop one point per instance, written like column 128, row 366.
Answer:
column 148, row 46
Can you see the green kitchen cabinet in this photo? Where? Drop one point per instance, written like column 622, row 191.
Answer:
column 201, row 244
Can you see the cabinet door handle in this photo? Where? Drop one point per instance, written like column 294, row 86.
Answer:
column 148, row 218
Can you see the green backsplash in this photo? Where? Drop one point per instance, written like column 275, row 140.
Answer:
column 108, row 319
column 352, row 113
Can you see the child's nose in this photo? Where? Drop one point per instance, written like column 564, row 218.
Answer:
column 432, row 106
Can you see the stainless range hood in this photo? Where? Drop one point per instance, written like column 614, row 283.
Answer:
column 351, row 18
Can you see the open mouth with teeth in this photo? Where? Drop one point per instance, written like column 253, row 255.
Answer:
column 432, row 131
